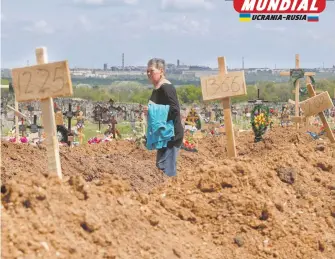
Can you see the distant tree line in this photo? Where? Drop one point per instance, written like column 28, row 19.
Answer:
column 188, row 94
column 134, row 91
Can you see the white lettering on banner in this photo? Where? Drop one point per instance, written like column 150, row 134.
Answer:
column 285, row 4
column 303, row 5
column 248, row 5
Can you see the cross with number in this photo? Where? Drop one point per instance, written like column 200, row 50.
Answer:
column 297, row 84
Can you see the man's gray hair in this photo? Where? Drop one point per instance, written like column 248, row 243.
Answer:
column 158, row 63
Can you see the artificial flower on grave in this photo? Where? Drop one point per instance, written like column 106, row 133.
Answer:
column 188, row 142
column 260, row 121
column 94, row 140
column 22, row 140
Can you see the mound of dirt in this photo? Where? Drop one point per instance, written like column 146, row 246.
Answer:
column 45, row 218
column 275, row 200
column 119, row 158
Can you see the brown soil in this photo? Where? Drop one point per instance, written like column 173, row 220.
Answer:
column 276, row 200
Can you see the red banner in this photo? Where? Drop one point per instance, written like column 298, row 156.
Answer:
column 280, row 6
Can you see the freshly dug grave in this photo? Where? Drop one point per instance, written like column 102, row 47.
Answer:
column 276, row 200
column 91, row 162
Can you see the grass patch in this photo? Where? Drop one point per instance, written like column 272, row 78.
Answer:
column 4, row 81
column 92, row 129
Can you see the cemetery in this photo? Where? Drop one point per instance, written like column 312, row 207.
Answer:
column 255, row 179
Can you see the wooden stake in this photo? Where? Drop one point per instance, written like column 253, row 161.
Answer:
column 17, row 134
column 48, row 117
column 226, row 103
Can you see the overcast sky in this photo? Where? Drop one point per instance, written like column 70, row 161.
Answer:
column 89, row 33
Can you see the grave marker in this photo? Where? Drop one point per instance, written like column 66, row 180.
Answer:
column 18, row 127
column 315, row 105
column 222, row 87
column 192, row 119
column 34, row 128
column 80, row 125
column 258, row 100
column 98, row 115
column 218, row 113
column 69, row 115
column 45, row 81
column 297, row 72
column 22, row 127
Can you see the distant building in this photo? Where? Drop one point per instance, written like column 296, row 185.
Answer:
column 199, row 68
column 105, row 67
column 170, row 66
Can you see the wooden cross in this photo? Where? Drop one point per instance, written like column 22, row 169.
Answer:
column 218, row 113
column 316, row 105
column 98, row 115
column 22, row 127
column 222, row 87
column 69, row 115
column 43, row 82
column 80, row 123
column 34, row 128
column 297, row 85
column 258, row 100
column 192, row 117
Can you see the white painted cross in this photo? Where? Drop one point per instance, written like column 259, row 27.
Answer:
column 222, row 87
column 43, row 82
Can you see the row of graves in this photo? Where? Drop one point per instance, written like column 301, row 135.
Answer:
column 317, row 109
column 46, row 81
column 43, row 83
column 104, row 115
column 112, row 113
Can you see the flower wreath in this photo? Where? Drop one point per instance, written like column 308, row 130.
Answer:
column 260, row 120
column 297, row 74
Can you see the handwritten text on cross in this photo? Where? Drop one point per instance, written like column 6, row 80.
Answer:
column 316, row 104
column 221, row 86
column 42, row 81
